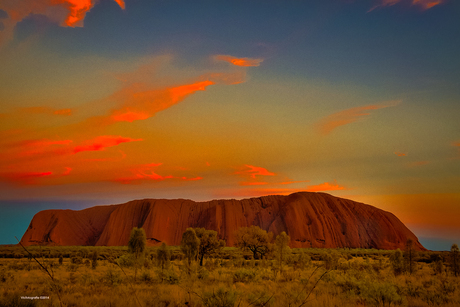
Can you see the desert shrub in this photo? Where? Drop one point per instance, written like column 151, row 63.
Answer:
column 376, row 293
column 342, row 265
column 397, row 262
column 446, row 286
column 203, row 273
column 435, row 298
column 112, row 278
column 168, row 276
column 244, row 275
column 127, row 260
column 220, row 298
column 146, row 277
column 94, row 257
column 287, row 276
column 61, row 259
column 330, row 260
column 72, row 267
column 76, row 260
column 260, row 299
column 72, row 278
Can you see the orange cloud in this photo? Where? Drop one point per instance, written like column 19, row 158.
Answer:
column 254, row 171
column 424, row 4
column 329, row 123
column 138, row 104
column 245, row 62
column 400, row 154
column 147, row 172
column 68, row 13
column 102, row 142
column 326, row 186
column 32, row 178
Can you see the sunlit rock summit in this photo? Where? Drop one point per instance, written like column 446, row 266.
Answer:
column 310, row 219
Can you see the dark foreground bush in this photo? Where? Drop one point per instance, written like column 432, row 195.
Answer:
column 219, row 298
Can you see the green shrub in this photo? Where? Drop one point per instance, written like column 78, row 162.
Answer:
column 145, row 276
column 376, row 293
column 244, row 275
column 168, row 276
column 220, row 298
column 112, row 278
column 127, row 260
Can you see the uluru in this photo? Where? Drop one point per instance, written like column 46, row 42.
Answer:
column 310, row 219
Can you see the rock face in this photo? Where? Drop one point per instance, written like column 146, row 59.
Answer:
column 310, row 219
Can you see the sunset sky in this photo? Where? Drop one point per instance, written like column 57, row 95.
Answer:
column 107, row 101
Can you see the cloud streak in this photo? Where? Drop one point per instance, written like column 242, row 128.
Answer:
column 244, row 62
column 326, row 186
column 331, row 122
column 102, row 142
column 424, row 4
column 147, row 172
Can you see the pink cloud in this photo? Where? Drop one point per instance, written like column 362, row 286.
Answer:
column 326, row 186
column 245, row 62
column 147, row 172
column 424, row 4
column 344, row 117
column 253, row 171
column 102, row 142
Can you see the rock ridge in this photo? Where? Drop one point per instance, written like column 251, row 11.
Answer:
column 311, row 220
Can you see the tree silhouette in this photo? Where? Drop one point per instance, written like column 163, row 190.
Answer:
column 189, row 246
column 209, row 243
column 454, row 258
column 136, row 246
column 257, row 240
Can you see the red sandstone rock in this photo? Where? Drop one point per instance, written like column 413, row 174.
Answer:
column 310, row 219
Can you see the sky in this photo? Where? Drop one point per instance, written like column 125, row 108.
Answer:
column 107, row 101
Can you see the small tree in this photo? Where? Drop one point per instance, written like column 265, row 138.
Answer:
column 190, row 245
column 94, row 260
column 282, row 249
column 410, row 255
column 397, row 262
column 136, row 246
column 209, row 243
column 455, row 259
column 163, row 257
column 257, row 240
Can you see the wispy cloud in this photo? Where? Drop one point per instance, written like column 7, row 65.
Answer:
column 245, row 62
column 341, row 118
column 147, row 172
column 400, row 154
column 31, row 177
column 138, row 102
column 102, row 142
column 326, row 186
column 254, row 171
column 424, row 4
